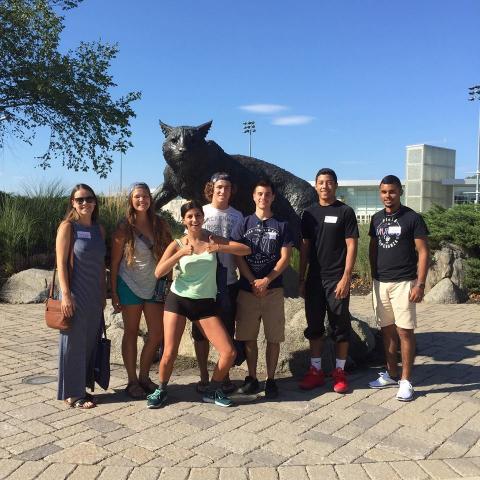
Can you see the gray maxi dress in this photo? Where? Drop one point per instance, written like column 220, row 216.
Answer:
column 78, row 344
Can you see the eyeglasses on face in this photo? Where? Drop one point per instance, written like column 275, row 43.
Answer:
column 82, row 200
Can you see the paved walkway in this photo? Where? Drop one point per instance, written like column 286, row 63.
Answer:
column 366, row 434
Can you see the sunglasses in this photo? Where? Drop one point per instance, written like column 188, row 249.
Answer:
column 82, row 200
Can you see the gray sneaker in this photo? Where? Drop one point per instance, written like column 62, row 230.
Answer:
column 217, row 397
column 405, row 391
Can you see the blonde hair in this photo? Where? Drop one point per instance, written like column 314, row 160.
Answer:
column 162, row 234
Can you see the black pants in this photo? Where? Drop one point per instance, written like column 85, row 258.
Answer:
column 320, row 300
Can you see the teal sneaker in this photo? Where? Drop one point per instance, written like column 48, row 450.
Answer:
column 217, row 397
column 157, row 398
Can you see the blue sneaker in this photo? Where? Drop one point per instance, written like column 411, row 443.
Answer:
column 217, row 397
column 157, row 398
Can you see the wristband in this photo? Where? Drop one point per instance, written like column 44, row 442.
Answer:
column 420, row 285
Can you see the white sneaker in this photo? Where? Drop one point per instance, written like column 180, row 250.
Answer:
column 384, row 380
column 405, row 391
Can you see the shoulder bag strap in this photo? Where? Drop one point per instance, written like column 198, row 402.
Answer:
column 69, row 264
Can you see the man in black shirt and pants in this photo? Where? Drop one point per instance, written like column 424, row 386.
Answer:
column 329, row 247
column 399, row 263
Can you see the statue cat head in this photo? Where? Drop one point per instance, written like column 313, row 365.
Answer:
column 183, row 144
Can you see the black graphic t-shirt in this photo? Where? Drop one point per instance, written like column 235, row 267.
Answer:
column 327, row 227
column 266, row 239
column 395, row 235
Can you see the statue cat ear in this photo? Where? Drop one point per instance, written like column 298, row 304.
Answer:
column 166, row 129
column 204, row 128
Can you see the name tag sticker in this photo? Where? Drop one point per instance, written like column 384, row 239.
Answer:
column 330, row 219
column 272, row 235
column 84, row 235
column 395, row 230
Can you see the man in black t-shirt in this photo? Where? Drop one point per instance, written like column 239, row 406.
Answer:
column 399, row 263
column 329, row 248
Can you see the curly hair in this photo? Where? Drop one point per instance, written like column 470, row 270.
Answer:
column 162, row 234
column 209, row 186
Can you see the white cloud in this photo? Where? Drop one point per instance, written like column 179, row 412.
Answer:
column 264, row 108
column 292, row 120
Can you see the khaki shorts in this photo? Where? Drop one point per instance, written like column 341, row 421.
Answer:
column 392, row 305
column 270, row 309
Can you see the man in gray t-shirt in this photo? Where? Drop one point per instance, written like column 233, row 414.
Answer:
column 220, row 219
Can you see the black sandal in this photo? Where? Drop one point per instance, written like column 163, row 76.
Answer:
column 135, row 390
column 80, row 402
column 148, row 385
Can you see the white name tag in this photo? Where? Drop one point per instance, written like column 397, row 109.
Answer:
column 84, row 235
column 395, row 230
column 329, row 219
column 272, row 235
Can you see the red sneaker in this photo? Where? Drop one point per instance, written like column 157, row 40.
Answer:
column 312, row 379
column 340, row 383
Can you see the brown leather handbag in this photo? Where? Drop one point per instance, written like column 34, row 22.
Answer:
column 54, row 317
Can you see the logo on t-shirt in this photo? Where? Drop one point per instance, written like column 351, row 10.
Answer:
column 388, row 232
column 264, row 244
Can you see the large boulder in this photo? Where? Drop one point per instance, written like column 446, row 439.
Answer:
column 29, row 286
column 448, row 263
column 294, row 351
column 445, row 291
column 115, row 335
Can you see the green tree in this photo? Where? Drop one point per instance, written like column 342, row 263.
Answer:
column 69, row 93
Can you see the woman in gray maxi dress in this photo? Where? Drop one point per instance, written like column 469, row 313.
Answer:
column 83, row 295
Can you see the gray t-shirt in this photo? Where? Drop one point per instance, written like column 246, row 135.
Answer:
column 222, row 222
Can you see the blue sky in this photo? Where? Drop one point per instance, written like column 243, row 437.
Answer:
column 343, row 83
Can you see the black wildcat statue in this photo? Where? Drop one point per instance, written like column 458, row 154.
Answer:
column 191, row 161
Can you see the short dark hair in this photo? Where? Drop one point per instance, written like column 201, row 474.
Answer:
column 326, row 171
column 265, row 182
column 190, row 205
column 391, row 180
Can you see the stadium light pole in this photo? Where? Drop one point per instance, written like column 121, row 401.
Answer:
column 474, row 94
column 249, row 127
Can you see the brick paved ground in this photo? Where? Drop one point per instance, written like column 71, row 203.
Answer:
column 366, row 434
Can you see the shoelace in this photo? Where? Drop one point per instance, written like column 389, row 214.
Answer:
column 155, row 395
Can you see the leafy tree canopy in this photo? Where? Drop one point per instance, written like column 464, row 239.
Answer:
column 67, row 93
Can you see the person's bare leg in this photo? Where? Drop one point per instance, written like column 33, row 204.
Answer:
column 216, row 334
column 390, row 345
column 407, row 350
column 173, row 325
column 131, row 320
column 202, row 349
column 154, row 317
column 271, row 358
column 251, row 355
column 341, row 350
column 316, row 347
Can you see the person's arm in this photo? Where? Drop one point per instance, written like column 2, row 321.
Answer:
column 62, row 248
column 118, row 247
column 418, row 290
column 103, row 278
column 343, row 286
column 221, row 244
column 262, row 283
column 372, row 255
column 173, row 253
column 304, row 259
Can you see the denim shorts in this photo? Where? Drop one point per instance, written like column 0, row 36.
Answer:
column 127, row 297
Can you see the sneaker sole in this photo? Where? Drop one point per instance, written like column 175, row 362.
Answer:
column 380, row 387
column 153, row 407
column 341, row 390
column 404, row 399
column 218, row 404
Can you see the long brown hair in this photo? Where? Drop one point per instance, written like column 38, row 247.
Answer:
column 72, row 214
column 162, row 234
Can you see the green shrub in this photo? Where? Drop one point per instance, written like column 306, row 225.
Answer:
column 459, row 225
column 472, row 275
column 362, row 264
